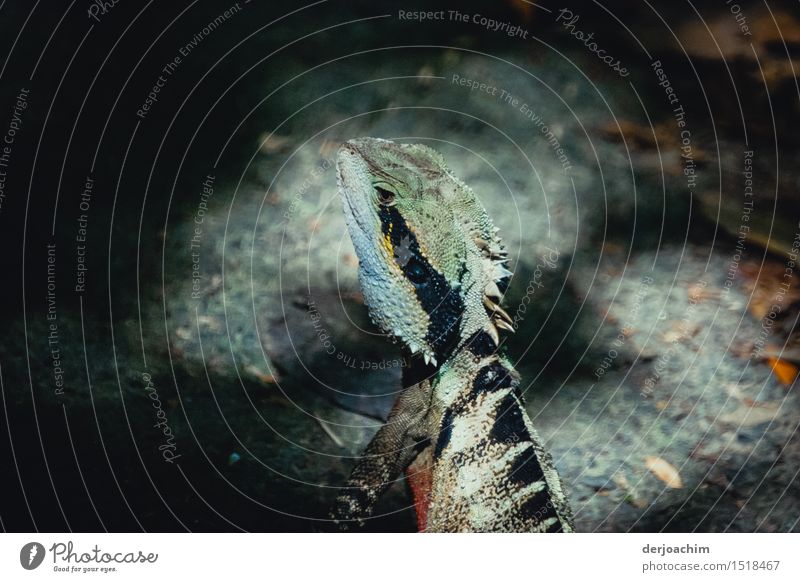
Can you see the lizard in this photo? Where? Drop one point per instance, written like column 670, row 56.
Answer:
column 433, row 272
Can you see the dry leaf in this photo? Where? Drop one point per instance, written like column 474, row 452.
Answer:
column 747, row 416
column 665, row 472
column 275, row 143
column 425, row 75
column 636, row 135
column 354, row 296
column 612, row 248
column 183, row 333
column 329, row 431
column 262, row 376
column 703, row 292
column 755, row 404
column 621, row 480
column 784, row 371
column 314, row 224
column 525, row 10
column 680, row 331
column 211, row 323
column 630, row 494
column 328, row 148
column 762, row 281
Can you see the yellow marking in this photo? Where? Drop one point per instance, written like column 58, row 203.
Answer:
column 387, row 242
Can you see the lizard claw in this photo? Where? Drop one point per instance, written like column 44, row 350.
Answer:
column 347, row 512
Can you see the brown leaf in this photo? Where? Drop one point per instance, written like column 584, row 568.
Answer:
column 263, row 377
column 525, row 10
column 784, row 371
column 328, row 148
column 702, row 292
column 275, row 143
column 679, row 331
column 212, row 323
column 747, row 416
column 665, row 472
column 425, row 73
column 314, row 224
column 762, row 281
column 183, row 333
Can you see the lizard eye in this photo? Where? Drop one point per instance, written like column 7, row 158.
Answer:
column 416, row 272
column 385, row 197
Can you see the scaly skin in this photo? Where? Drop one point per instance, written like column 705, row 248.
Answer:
column 432, row 271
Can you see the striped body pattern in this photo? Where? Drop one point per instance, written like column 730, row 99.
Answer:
column 433, row 273
column 490, row 471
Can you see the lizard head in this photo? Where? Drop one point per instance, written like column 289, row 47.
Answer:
column 431, row 267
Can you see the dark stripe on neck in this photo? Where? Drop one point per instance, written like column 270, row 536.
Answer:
column 441, row 302
column 526, row 468
column 493, row 377
column 538, row 508
column 509, row 427
column 481, row 344
column 445, row 434
column 509, row 424
column 502, row 284
column 496, row 376
column 416, row 370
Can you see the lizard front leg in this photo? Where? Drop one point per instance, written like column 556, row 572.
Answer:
column 390, row 451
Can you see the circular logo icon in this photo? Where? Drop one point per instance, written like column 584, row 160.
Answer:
column 31, row 555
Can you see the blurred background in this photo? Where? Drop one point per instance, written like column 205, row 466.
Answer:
column 185, row 343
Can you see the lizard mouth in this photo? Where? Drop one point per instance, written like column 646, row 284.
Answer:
column 356, row 213
column 357, row 206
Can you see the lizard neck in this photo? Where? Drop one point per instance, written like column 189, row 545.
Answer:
column 469, row 350
column 490, row 470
